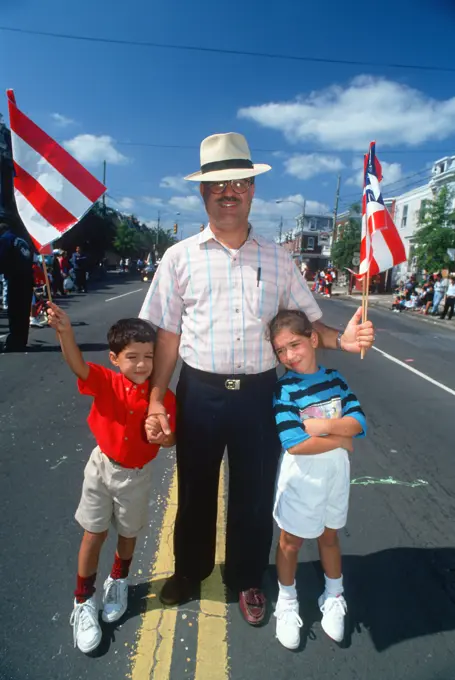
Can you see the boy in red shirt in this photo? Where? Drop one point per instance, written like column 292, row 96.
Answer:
column 118, row 475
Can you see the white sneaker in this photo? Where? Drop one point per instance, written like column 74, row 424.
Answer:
column 288, row 623
column 115, row 599
column 86, row 627
column 333, row 612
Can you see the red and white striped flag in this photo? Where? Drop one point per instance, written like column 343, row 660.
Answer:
column 53, row 190
column 381, row 246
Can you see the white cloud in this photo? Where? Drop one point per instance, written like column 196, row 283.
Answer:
column 288, row 207
column 392, row 172
column 92, row 150
column 350, row 117
column 126, row 203
column 154, row 201
column 305, row 166
column 186, row 203
column 62, row 121
column 176, row 183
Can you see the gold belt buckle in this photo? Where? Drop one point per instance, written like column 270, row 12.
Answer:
column 232, row 384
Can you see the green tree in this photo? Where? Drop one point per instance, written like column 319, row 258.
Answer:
column 348, row 242
column 126, row 240
column 435, row 233
column 95, row 233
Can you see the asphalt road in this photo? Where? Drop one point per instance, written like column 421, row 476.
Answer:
column 399, row 559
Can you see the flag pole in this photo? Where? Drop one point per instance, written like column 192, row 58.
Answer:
column 365, row 292
column 46, row 278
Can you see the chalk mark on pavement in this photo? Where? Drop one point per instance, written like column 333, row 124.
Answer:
column 367, row 480
column 59, row 462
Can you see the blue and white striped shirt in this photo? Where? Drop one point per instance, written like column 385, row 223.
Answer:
column 221, row 301
column 324, row 394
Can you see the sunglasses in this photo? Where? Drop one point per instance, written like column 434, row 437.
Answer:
column 238, row 186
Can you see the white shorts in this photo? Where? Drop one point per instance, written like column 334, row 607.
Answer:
column 312, row 493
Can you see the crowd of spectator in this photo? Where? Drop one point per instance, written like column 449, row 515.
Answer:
column 427, row 295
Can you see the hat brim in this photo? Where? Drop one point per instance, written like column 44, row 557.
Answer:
column 223, row 175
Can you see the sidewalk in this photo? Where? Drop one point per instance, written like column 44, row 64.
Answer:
column 385, row 302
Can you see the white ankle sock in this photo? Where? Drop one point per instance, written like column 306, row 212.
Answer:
column 287, row 592
column 333, row 586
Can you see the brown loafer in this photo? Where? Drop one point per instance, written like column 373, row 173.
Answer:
column 253, row 604
column 177, row 590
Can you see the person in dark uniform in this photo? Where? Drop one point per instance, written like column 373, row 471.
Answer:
column 79, row 263
column 57, row 277
column 16, row 260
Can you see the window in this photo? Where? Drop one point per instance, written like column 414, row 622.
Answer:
column 310, row 243
column 404, row 218
column 313, row 225
column 423, row 209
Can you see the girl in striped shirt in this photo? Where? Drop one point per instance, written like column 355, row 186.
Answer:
column 317, row 416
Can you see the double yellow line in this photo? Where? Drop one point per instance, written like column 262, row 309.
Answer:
column 155, row 645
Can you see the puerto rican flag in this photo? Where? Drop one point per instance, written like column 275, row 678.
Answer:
column 53, row 191
column 381, row 246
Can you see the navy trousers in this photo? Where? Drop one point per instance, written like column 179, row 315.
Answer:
column 211, row 418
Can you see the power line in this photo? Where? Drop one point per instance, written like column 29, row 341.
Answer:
column 296, row 151
column 390, row 185
column 244, row 53
column 404, row 189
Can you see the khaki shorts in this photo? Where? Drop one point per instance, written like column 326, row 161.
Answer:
column 112, row 493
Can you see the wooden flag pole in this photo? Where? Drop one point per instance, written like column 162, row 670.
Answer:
column 365, row 291
column 46, row 278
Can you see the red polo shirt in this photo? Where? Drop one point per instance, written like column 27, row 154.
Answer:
column 118, row 415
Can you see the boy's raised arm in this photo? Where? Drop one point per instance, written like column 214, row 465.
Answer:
column 60, row 322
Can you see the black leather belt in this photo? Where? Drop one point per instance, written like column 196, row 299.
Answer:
column 229, row 381
column 117, row 464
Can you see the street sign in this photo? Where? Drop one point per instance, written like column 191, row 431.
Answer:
column 355, row 260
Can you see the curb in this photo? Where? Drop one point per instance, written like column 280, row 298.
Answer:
column 377, row 303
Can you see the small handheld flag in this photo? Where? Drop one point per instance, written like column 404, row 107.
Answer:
column 53, row 191
column 381, row 245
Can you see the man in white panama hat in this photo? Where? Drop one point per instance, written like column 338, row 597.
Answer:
column 212, row 298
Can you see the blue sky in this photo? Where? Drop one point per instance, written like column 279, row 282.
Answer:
column 308, row 120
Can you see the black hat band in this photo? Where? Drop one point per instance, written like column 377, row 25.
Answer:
column 231, row 164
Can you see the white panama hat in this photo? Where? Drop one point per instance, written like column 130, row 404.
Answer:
column 226, row 156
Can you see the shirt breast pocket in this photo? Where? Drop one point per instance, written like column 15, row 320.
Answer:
column 266, row 299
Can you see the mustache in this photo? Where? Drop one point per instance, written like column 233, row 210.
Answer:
column 228, row 199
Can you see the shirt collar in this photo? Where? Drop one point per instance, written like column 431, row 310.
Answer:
column 208, row 235
column 130, row 384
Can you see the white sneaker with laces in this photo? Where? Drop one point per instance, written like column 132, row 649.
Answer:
column 86, row 627
column 333, row 612
column 288, row 623
column 115, row 599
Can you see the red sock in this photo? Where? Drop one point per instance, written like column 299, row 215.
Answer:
column 120, row 568
column 85, row 587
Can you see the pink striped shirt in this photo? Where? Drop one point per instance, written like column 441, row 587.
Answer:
column 220, row 301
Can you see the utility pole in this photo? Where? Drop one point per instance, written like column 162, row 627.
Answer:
column 157, row 234
column 104, row 182
column 280, row 233
column 335, row 211
column 303, row 226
